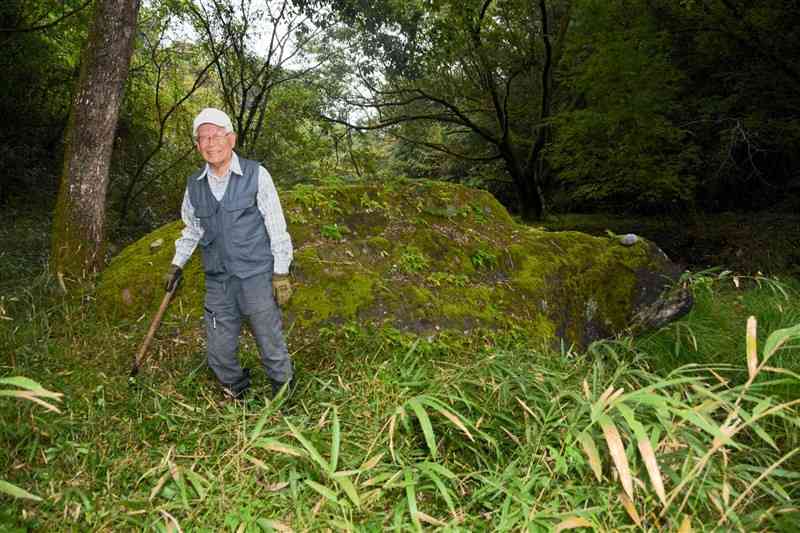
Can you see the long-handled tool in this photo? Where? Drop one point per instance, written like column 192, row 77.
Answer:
column 152, row 331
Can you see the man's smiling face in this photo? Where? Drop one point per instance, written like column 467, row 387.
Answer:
column 215, row 144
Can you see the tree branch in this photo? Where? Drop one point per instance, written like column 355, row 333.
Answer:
column 49, row 24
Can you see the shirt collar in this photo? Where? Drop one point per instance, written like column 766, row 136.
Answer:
column 235, row 168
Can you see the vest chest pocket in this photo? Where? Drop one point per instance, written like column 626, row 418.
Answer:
column 241, row 206
column 246, row 222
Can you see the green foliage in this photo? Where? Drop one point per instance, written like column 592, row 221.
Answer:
column 412, row 259
column 621, row 147
column 480, row 432
column 40, row 70
column 26, row 389
column 484, row 259
column 331, row 231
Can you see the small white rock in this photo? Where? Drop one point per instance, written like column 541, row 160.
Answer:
column 629, row 239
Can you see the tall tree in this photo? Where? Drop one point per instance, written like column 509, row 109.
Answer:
column 255, row 46
column 484, row 69
column 79, row 222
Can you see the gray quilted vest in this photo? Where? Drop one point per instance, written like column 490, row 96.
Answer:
column 235, row 241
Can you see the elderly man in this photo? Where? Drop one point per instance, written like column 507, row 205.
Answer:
column 231, row 209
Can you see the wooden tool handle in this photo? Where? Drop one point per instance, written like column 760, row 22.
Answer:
column 152, row 331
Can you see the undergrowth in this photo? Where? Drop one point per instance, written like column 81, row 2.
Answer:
column 695, row 424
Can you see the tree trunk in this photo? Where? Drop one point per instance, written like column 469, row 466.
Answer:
column 79, row 222
column 530, row 200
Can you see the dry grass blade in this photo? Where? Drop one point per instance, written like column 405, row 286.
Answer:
column 392, row 422
column 728, row 429
column 275, row 446
column 318, row 506
column 590, row 449
column 752, row 349
column 428, row 519
column 617, row 394
column 172, row 523
column 573, row 522
column 630, row 509
column 686, row 525
column 372, row 463
column 650, row 462
column 606, row 393
column 159, row 485
column 276, row 487
column 257, row 462
column 33, row 397
column 276, row 525
column 525, row 406
column 456, row 422
column 617, row 451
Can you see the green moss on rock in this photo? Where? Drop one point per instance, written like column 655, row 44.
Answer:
column 427, row 257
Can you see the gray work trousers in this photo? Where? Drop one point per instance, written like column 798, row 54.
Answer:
column 227, row 302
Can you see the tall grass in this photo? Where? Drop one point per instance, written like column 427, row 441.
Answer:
column 392, row 432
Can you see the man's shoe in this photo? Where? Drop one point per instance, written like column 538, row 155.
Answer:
column 237, row 391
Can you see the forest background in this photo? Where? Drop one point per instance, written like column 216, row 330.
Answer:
column 556, row 107
column 677, row 120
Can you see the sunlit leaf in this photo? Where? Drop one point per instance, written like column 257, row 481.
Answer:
column 17, row 492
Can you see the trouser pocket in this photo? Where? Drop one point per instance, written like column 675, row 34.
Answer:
column 211, row 317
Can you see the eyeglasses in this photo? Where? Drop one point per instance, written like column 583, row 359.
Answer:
column 211, row 139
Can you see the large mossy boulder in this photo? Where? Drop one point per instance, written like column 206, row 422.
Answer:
column 427, row 257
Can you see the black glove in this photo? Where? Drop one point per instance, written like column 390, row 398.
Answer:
column 172, row 278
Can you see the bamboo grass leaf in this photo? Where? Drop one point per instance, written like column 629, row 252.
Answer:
column 617, row 451
column 372, row 463
column 257, row 462
column 431, row 471
column 425, row 423
column 411, row 497
column 336, row 438
column 177, row 477
column 278, row 446
column 752, row 349
column 32, row 396
column 268, row 524
column 17, row 492
column 448, row 413
column 198, row 483
column 653, row 471
column 392, row 423
column 312, row 451
column 323, row 491
column 31, row 385
column 777, row 338
column 262, row 420
column 573, row 522
column 749, row 422
column 347, row 486
column 645, row 450
column 752, row 485
column 158, row 486
column 703, row 423
column 590, row 449
column 627, row 504
column 428, row 519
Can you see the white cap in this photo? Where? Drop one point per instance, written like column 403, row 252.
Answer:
column 211, row 115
